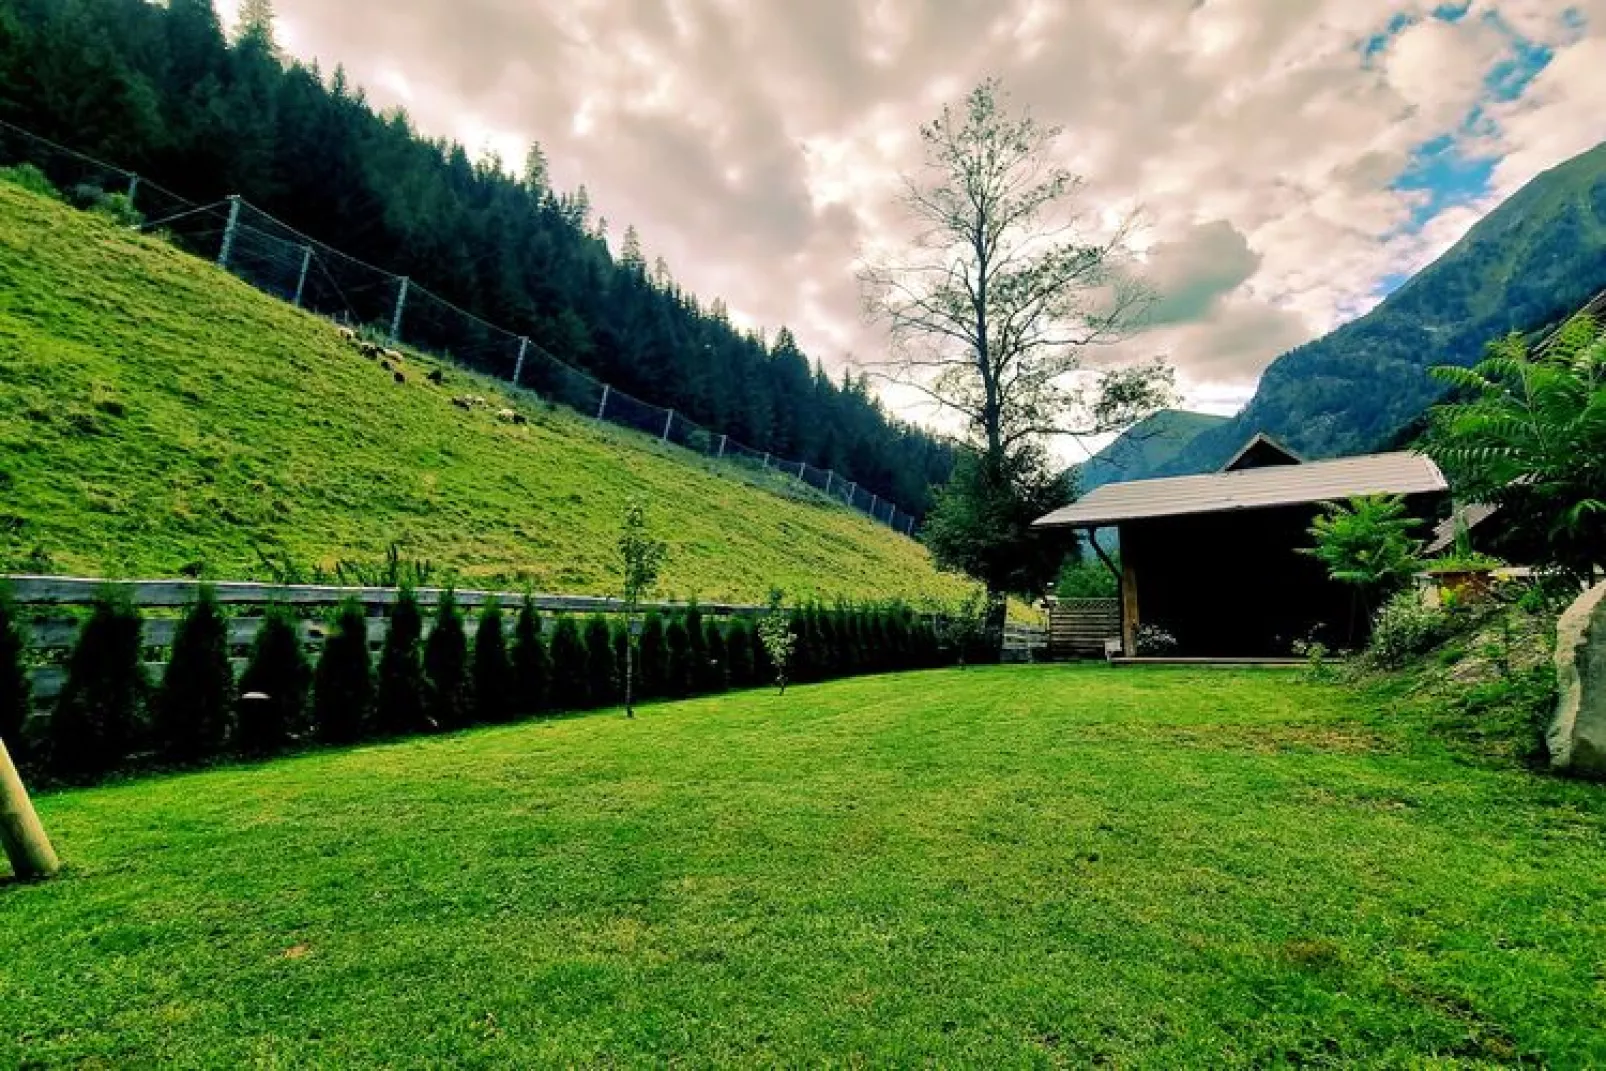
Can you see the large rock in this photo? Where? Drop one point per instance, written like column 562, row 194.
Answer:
column 1577, row 736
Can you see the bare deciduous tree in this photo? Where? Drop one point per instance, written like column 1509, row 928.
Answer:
column 1003, row 287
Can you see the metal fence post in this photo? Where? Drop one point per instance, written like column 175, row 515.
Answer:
column 518, row 366
column 401, row 306
column 602, row 407
column 873, row 500
column 228, row 232
column 133, row 188
column 669, row 421
column 766, row 459
column 301, row 280
column 722, row 440
column 830, row 478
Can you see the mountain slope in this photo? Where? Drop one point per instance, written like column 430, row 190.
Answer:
column 1144, row 447
column 1534, row 259
column 159, row 416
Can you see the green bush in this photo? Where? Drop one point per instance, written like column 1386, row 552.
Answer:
column 98, row 714
column 279, row 670
column 718, row 655
column 194, row 707
column 493, row 673
column 652, row 658
column 1086, row 578
column 446, row 667
column 31, row 179
column 698, row 678
column 571, row 682
column 531, row 665
column 677, row 647
column 1407, row 627
column 602, row 667
column 119, row 209
column 400, row 706
column 14, row 690
column 343, row 684
column 739, row 640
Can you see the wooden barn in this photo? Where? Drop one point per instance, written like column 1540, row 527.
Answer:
column 1215, row 560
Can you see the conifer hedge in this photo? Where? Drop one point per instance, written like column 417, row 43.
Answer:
column 279, row 670
column 343, row 685
column 15, row 694
column 98, row 720
column 194, row 712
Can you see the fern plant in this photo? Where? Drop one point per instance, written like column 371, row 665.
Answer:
column 1527, row 433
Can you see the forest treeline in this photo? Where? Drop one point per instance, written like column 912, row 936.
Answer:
column 163, row 91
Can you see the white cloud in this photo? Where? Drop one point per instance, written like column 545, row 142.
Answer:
column 757, row 144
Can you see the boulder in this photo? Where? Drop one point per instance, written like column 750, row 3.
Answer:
column 1577, row 735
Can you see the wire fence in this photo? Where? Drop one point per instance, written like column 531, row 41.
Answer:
column 294, row 267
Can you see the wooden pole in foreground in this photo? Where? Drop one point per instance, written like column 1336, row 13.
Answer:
column 24, row 838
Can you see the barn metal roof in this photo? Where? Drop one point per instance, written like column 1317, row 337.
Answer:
column 1262, row 488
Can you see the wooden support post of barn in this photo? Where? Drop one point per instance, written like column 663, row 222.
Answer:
column 1129, row 609
column 22, row 836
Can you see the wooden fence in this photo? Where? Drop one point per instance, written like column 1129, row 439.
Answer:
column 50, row 636
column 1077, row 628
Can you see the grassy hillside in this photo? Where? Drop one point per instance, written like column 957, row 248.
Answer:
column 158, row 416
column 1144, row 447
column 1012, row 867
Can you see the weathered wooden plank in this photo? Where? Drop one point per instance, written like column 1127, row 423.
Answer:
column 48, row 681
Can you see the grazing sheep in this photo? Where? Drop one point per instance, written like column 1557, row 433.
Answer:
column 465, row 404
column 393, row 356
column 348, row 334
column 520, row 418
column 506, row 416
column 370, row 351
column 437, row 377
column 400, row 378
column 385, row 365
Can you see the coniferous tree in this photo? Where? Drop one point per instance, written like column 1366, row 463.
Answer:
column 571, row 680
column 15, row 692
column 654, row 657
column 532, row 665
column 97, row 719
column 493, row 673
column 717, row 654
column 739, row 653
column 402, row 688
column 278, row 669
column 194, row 707
column 343, row 684
column 602, row 666
column 677, row 647
column 698, row 677
column 446, row 667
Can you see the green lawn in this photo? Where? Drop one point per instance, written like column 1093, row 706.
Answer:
column 996, row 867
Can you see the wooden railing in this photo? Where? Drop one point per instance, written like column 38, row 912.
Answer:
column 1077, row 628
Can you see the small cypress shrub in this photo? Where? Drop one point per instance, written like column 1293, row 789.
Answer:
column 652, row 658
column 14, row 689
column 493, row 673
column 402, row 693
column 801, row 666
column 98, row 714
column 195, row 705
column 532, row 665
column 739, row 653
column 833, row 662
column 620, row 628
column 446, row 703
column 571, row 682
column 718, row 656
column 279, row 670
column 698, row 678
column 602, row 668
column 677, row 647
column 343, row 685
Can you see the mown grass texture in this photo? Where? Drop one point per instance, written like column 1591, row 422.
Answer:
column 158, row 417
column 1032, row 866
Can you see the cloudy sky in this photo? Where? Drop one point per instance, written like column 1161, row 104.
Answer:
column 1294, row 159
